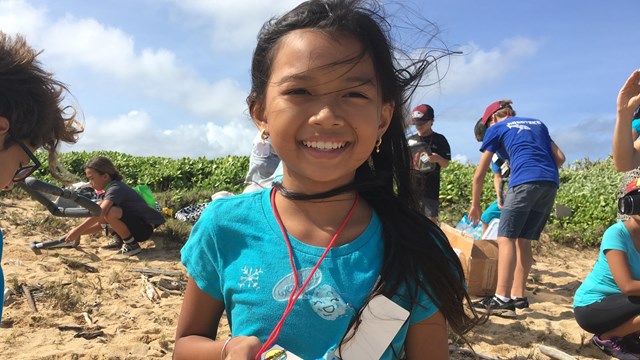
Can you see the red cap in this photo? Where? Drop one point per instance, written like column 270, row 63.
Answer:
column 490, row 110
column 422, row 113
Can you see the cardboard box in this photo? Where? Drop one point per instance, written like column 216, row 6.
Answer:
column 479, row 261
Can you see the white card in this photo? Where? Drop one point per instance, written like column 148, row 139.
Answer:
column 381, row 320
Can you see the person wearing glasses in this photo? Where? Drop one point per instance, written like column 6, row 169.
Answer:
column 31, row 116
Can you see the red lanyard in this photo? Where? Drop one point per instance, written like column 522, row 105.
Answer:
column 295, row 293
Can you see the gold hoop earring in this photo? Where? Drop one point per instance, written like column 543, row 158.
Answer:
column 264, row 136
column 378, row 143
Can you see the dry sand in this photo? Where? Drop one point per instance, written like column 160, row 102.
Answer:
column 107, row 315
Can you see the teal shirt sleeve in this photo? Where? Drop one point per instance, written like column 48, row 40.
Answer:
column 635, row 125
column 200, row 257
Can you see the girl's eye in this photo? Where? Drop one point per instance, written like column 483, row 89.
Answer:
column 297, row 92
column 357, row 95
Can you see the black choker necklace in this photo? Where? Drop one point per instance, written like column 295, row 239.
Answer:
column 292, row 195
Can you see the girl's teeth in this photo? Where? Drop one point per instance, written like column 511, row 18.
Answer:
column 321, row 145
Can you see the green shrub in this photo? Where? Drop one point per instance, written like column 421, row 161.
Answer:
column 162, row 174
column 589, row 188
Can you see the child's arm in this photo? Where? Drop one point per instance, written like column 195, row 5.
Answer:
column 626, row 152
column 88, row 226
column 478, row 181
column 497, row 186
column 198, row 327
column 558, row 155
column 621, row 272
column 428, row 337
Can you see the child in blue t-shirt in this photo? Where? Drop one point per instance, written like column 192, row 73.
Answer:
column 30, row 117
column 607, row 303
column 297, row 265
column 534, row 160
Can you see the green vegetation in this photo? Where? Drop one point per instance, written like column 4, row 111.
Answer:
column 162, row 174
column 589, row 188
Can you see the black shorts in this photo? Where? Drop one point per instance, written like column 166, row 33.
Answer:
column 140, row 230
column 608, row 313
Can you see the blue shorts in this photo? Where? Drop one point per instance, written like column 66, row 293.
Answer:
column 526, row 209
column 490, row 213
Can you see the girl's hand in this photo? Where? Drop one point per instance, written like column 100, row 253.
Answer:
column 71, row 237
column 241, row 347
column 629, row 96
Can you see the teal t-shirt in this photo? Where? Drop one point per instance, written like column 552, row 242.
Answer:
column 635, row 125
column 236, row 253
column 600, row 283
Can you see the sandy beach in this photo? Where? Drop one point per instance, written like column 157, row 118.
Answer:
column 89, row 303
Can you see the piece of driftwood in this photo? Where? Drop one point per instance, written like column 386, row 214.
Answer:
column 30, row 301
column 149, row 290
column 157, row 272
column 90, row 334
column 87, row 318
column 555, row 353
column 73, row 264
column 468, row 352
column 70, row 328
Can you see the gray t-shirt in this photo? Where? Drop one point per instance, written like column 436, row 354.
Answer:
column 132, row 203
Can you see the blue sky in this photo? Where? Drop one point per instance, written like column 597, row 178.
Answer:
column 169, row 77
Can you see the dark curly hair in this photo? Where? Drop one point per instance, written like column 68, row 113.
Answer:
column 31, row 100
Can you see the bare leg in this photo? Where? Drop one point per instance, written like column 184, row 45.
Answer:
column 524, row 261
column 629, row 327
column 434, row 219
column 506, row 265
column 113, row 219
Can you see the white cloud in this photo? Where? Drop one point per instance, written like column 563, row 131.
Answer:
column 17, row 16
column 233, row 25
column 110, row 53
column 143, row 138
column 477, row 67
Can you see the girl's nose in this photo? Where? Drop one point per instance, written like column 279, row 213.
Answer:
column 328, row 116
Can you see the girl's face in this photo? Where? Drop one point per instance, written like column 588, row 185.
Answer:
column 11, row 158
column 98, row 181
column 323, row 116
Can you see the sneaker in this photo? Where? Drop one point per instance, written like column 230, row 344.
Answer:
column 493, row 305
column 632, row 343
column 521, row 303
column 115, row 243
column 130, row 249
column 614, row 347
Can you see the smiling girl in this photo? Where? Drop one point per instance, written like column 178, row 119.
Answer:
column 341, row 237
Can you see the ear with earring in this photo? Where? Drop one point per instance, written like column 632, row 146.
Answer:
column 378, row 143
column 264, row 135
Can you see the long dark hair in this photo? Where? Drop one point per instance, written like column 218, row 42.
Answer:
column 103, row 165
column 416, row 251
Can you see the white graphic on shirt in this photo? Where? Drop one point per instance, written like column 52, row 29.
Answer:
column 250, row 277
column 323, row 299
column 283, row 288
column 328, row 304
column 522, row 124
